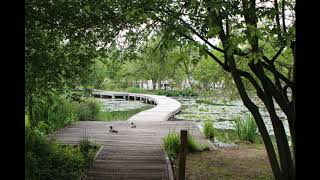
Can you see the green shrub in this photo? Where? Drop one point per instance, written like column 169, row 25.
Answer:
column 204, row 101
column 172, row 143
column 194, row 146
column 26, row 121
column 246, row 128
column 208, row 129
column 88, row 110
column 48, row 160
column 87, row 149
column 184, row 93
column 43, row 127
column 187, row 93
column 54, row 112
column 135, row 90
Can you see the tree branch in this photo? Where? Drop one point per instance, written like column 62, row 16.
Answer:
column 277, row 54
column 283, row 18
column 276, row 73
column 277, row 18
column 201, row 37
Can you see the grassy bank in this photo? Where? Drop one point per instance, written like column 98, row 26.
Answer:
column 244, row 162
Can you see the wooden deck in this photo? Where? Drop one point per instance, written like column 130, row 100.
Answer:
column 133, row 153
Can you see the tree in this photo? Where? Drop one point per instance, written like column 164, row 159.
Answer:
column 208, row 73
column 240, row 26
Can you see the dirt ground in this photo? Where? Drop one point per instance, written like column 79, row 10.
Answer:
column 245, row 162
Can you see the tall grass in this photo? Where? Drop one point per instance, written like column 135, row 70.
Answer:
column 172, row 143
column 88, row 110
column 208, row 129
column 246, row 128
column 62, row 112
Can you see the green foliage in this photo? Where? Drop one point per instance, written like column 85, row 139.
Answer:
column 48, row 160
column 226, row 136
column 184, row 93
column 207, row 72
column 53, row 113
column 135, row 90
column 87, row 149
column 57, row 112
column 204, row 101
column 208, row 129
column 172, row 143
column 246, row 128
column 43, row 127
column 62, row 38
column 88, row 110
column 194, row 146
column 26, row 121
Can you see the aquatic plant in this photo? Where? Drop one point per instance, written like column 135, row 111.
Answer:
column 172, row 143
column 246, row 128
column 208, row 129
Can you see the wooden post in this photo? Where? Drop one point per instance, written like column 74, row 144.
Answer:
column 182, row 154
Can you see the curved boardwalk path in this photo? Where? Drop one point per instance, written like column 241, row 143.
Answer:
column 133, row 153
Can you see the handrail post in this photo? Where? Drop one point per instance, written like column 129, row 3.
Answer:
column 182, row 154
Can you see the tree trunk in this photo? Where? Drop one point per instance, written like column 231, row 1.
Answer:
column 293, row 100
column 289, row 73
column 258, row 119
column 154, row 84
column 159, row 84
column 279, row 131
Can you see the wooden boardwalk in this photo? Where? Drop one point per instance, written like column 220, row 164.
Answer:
column 133, row 153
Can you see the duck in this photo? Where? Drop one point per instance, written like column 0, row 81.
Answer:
column 112, row 130
column 132, row 125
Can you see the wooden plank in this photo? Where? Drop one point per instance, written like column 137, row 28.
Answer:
column 133, row 153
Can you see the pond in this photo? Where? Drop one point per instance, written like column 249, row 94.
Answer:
column 222, row 113
column 120, row 109
column 110, row 105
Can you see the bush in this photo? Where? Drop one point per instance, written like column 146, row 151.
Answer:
column 172, row 143
column 184, row 93
column 135, row 90
column 43, row 127
column 48, row 160
column 246, row 128
column 208, row 129
column 167, row 93
column 52, row 113
column 204, row 101
column 88, row 110
column 187, row 92
column 194, row 146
